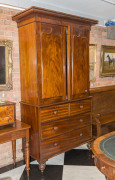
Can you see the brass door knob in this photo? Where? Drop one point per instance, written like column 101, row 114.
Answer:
column 103, row 167
column 81, row 106
column 55, row 128
column 81, row 120
column 55, row 144
column 81, row 134
column 55, row 112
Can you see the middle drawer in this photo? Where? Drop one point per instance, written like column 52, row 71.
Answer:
column 54, row 128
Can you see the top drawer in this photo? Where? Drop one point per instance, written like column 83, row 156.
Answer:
column 54, row 112
column 80, row 107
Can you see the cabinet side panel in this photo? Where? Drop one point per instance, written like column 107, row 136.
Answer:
column 29, row 116
column 27, row 47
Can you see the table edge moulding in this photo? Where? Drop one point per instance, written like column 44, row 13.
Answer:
column 54, row 71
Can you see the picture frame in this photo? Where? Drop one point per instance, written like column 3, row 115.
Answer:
column 6, row 65
column 92, row 62
column 107, row 67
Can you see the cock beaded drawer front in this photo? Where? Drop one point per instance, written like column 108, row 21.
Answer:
column 7, row 113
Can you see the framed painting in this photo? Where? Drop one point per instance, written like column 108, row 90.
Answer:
column 5, row 65
column 92, row 62
column 107, row 61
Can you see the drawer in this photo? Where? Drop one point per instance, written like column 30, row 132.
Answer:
column 6, row 111
column 54, row 112
column 51, row 129
column 64, row 142
column 105, row 168
column 80, row 107
column 6, row 114
column 6, row 120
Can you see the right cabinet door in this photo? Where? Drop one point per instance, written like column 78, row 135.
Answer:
column 79, row 62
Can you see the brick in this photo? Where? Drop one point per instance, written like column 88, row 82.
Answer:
column 1, row 33
column 8, row 33
column 7, row 22
column 1, row 11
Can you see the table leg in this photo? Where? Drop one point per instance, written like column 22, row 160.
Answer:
column 27, row 152
column 14, row 151
column 23, row 147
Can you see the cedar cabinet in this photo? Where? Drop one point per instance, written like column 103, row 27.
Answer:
column 54, row 70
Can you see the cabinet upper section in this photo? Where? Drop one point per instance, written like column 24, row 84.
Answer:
column 40, row 14
column 54, row 56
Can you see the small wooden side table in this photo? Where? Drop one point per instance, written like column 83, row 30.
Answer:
column 104, row 154
column 10, row 133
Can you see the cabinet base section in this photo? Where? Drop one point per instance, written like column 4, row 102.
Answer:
column 42, row 162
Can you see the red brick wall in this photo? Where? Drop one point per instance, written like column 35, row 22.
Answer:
column 98, row 36
column 8, row 30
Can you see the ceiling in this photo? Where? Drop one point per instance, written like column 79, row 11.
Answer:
column 101, row 10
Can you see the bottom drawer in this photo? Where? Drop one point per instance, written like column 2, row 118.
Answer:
column 64, row 142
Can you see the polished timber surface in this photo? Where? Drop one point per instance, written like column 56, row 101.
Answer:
column 107, row 146
column 76, row 164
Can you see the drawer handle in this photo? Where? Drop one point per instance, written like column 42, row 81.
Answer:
column 55, row 112
column 81, row 106
column 55, row 128
column 81, row 120
column 81, row 134
column 103, row 167
column 55, row 144
column 86, row 90
column 8, row 120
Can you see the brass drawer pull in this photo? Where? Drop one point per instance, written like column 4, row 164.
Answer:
column 55, row 112
column 9, row 119
column 81, row 134
column 81, row 120
column 55, row 128
column 55, row 144
column 103, row 167
column 93, row 156
column 81, row 106
column 86, row 90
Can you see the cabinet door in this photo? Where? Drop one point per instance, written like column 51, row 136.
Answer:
column 51, row 50
column 79, row 63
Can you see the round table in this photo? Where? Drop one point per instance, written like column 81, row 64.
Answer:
column 104, row 154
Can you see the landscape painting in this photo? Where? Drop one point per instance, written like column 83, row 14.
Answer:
column 108, row 61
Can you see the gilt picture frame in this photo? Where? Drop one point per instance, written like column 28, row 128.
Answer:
column 92, row 62
column 6, row 65
column 107, row 67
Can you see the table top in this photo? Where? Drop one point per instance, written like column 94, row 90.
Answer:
column 107, row 146
column 104, row 148
column 9, row 128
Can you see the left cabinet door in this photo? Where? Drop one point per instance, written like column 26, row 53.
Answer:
column 51, row 60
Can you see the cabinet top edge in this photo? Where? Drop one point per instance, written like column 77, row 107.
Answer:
column 55, row 14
